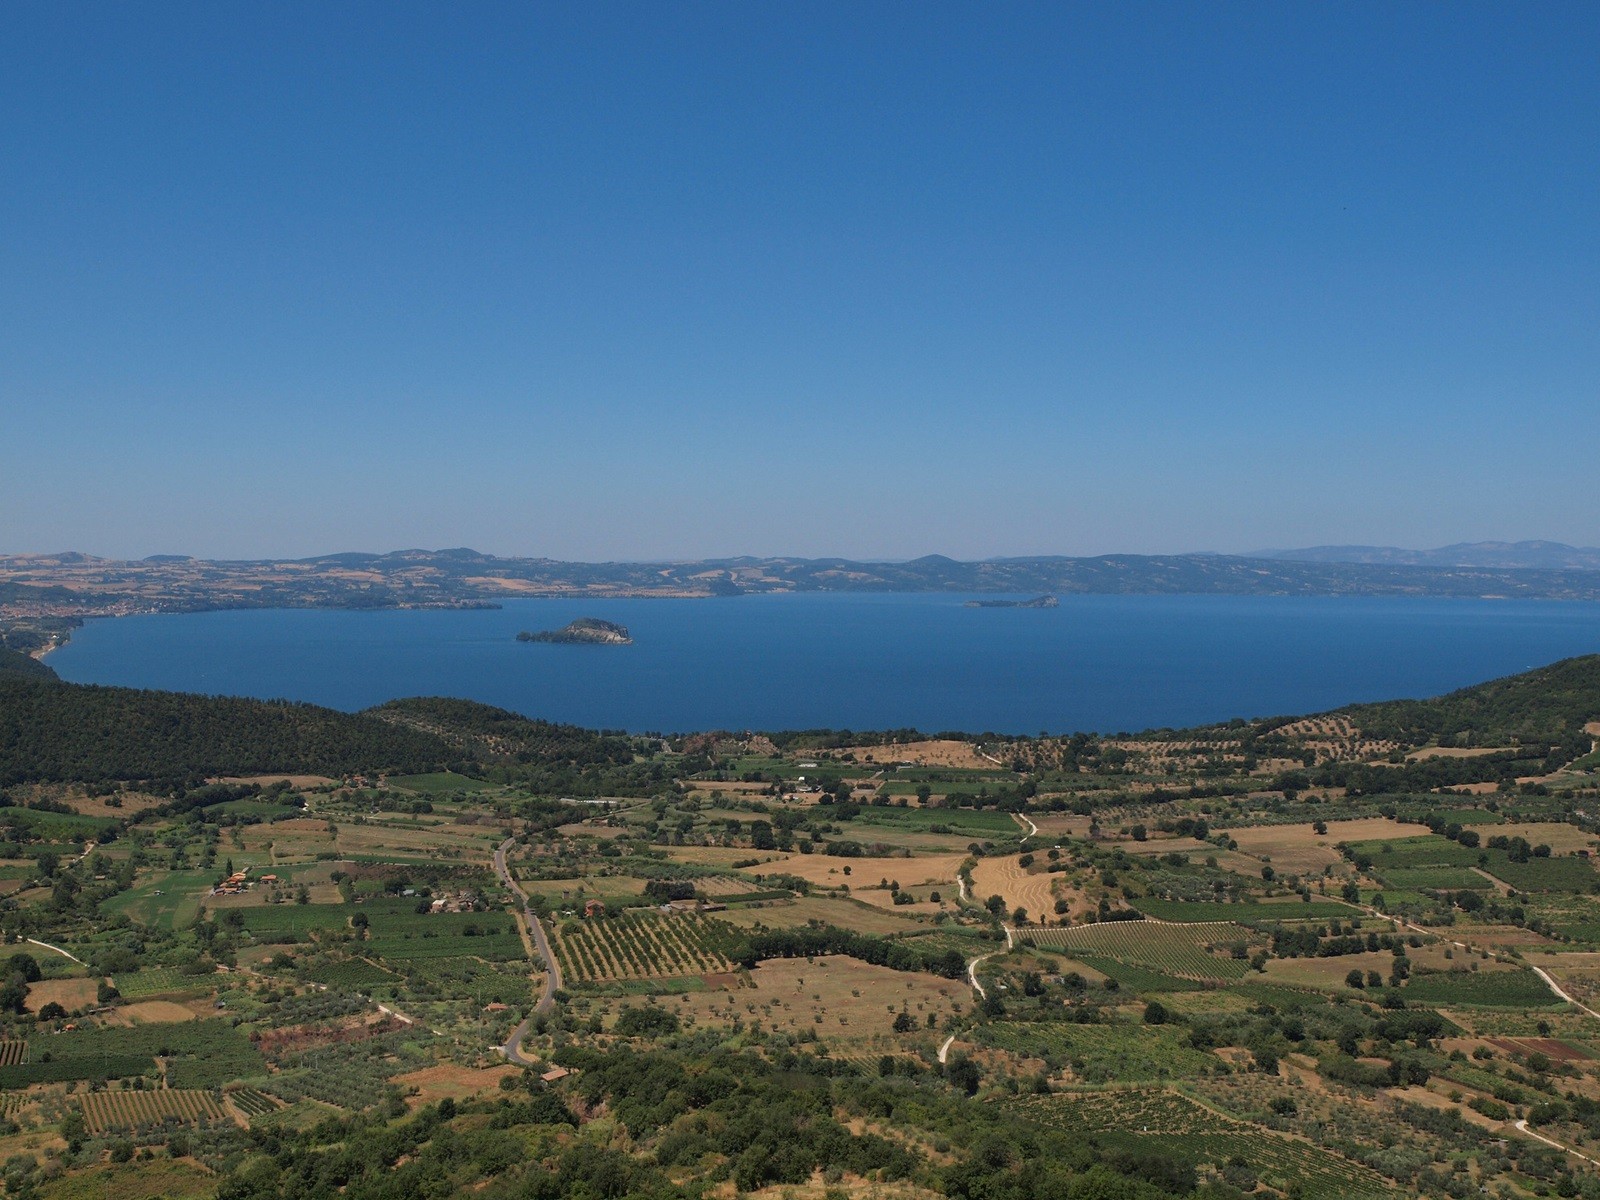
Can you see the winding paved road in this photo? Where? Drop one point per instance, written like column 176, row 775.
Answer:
column 552, row 969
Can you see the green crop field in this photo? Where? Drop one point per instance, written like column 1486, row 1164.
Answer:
column 439, row 781
column 356, row 974
column 1486, row 989
column 271, row 920
column 197, row 1053
column 1098, row 1053
column 1201, row 1136
column 252, row 1103
column 354, row 1077
column 1181, row 950
column 105, row 1111
column 162, row 981
column 1439, row 878
column 1201, row 911
column 640, row 945
column 1426, row 850
column 471, row 979
column 961, row 820
column 1140, row 979
column 256, row 810
column 1566, row 874
column 165, row 899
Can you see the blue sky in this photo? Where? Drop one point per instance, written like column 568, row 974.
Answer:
column 635, row 281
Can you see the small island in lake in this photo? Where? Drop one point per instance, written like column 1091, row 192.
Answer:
column 585, row 631
column 1036, row 602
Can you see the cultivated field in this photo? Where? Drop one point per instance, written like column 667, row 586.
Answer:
column 1194, row 1132
column 1298, row 849
column 1185, row 951
column 1021, row 888
column 105, row 1111
column 912, row 871
column 848, row 1001
column 71, row 994
column 636, row 946
column 843, row 912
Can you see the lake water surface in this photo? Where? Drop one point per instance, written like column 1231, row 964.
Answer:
column 1101, row 663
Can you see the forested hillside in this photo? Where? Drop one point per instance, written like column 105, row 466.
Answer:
column 487, row 732
column 14, row 662
column 1550, row 704
column 53, row 731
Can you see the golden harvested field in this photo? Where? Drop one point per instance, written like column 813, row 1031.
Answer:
column 923, row 906
column 1297, row 849
column 305, row 837
column 449, row 1080
column 449, row 840
column 828, row 871
column 847, row 1002
column 1055, row 826
column 128, row 803
column 1560, row 837
column 1163, row 844
column 1330, row 972
column 151, row 1012
column 288, row 839
column 1021, row 888
column 320, row 893
column 847, row 914
column 724, row 856
column 927, row 754
column 716, row 886
column 71, row 994
column 1497, row 935
column 1454, row 752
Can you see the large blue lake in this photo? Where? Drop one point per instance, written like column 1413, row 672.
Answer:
column 1102, row 663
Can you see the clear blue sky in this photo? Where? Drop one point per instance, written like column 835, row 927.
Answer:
column 875, row 279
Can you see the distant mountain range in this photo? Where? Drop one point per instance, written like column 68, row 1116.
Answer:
column 1513, row 556
column 72, row 586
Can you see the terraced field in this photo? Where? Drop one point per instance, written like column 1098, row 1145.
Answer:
column 252, row 1103
column 1021, row 888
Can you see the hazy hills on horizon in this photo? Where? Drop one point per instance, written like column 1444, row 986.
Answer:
column 1528, row 555
column 75, row 585
column 1533, row 554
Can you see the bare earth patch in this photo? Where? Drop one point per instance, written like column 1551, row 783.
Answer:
column 1559, row 836
column 449, row 1080
column 844, row 1000
column 69, row 993
column 152, row 1012
column 929, row 754
column 1300, row 849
